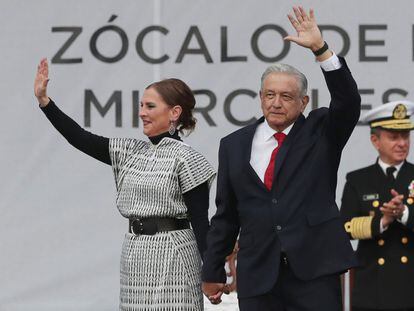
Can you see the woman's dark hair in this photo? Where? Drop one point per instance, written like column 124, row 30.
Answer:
column 176, row 93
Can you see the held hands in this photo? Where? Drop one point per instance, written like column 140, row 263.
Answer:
column 40, row 83
column 214, row 291
column 393, row 209
column 308, row 33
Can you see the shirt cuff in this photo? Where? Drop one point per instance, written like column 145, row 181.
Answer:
column 330, row 64
column 382, row 228
column 404, row 217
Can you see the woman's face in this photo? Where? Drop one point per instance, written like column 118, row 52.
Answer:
column 156, row 115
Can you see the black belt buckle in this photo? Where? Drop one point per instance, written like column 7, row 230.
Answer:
column 143, row 226
column 136, row 226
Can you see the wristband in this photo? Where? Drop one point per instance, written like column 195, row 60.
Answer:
column 321, row 50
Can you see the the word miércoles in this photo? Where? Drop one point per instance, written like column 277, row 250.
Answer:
column 97, row 107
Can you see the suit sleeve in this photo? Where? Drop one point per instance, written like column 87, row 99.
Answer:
column 345, row 105
column 224, row 226
column 357, row 225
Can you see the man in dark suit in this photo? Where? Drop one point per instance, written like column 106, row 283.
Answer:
column 377, row 207
column 276, row 187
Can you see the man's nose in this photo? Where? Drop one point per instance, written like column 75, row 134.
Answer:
column 402, row 142
column 276, row 102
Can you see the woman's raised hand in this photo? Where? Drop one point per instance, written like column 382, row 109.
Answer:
column 40, row 83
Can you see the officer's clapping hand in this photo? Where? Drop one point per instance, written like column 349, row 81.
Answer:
column 393, row 209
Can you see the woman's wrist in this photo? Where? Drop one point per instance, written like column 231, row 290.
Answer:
column 43, row 101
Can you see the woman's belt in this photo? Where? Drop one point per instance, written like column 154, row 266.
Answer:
column 153, row 225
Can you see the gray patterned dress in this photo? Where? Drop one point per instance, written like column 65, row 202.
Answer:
column 161, row 271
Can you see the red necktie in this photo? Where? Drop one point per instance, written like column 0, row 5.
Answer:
column 268, row 177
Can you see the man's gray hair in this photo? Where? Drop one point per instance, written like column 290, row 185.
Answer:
column 288, row 69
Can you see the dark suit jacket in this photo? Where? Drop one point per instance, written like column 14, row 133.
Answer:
column 386, row 283
column 299, row 214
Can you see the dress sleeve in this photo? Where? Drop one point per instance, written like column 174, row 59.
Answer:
column 120, row 150
column 194, row 170
column 91, row 144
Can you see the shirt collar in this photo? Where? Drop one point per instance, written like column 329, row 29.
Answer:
column 268, row 132
column 384, row 166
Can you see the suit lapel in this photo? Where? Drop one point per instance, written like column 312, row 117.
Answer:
column 403, row 177
column 381, row 183
column 380, row 180
column 283, row 151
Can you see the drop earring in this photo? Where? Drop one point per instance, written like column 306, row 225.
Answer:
column 171, row 129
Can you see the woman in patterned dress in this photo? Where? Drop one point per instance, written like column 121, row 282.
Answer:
column 162, row 186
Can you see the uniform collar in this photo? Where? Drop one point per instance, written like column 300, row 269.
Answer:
column 384, row 166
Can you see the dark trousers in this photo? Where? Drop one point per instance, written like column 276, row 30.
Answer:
column 363, row 309
column 292, row 294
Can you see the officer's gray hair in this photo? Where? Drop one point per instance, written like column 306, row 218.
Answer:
column 288, row 69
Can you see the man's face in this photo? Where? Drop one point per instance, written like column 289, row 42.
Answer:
column 392, row 146
column 281, row 100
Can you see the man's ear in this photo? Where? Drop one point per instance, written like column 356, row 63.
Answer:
column 305, row 101
column 375, row 141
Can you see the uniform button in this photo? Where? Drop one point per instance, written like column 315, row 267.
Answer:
column 274, row 201
column 404, row 240
column 278, row 228
column 381, row 242
column 404, row 259
column 375, row 203
column 381, row 261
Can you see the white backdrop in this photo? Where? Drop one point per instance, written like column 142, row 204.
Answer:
column 60, row 232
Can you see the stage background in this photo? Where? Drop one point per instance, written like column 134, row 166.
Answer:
column 60, row 232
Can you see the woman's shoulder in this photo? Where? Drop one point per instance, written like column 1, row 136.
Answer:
column 185, row 149
column 194, row 164
column 189, row 154
column 183, row 152
column 126, row 143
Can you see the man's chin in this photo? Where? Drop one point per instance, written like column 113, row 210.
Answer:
column 400, row 158
column 273, row 122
